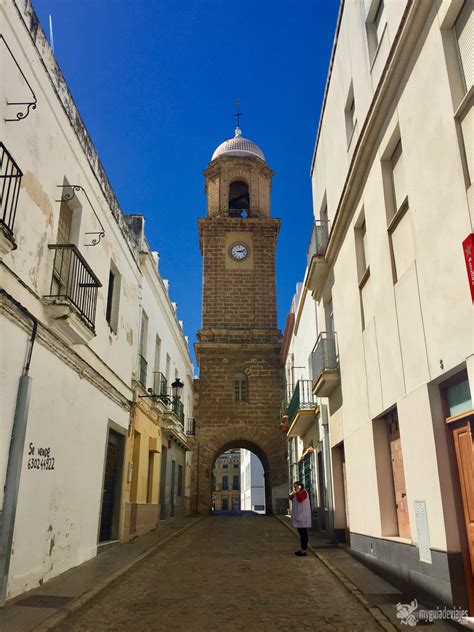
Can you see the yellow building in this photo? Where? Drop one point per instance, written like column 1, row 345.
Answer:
column 226, row 482
column 141, row 482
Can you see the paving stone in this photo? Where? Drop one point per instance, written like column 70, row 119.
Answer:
column 225, row 574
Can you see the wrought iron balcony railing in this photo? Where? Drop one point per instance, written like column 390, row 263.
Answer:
column 74, row 281
column 319, row 239
column 324, row 356
column 10, row 180
column 303, row 399
column 160, row 385
column 190, row 426
column 176, row 405
column 142, row 370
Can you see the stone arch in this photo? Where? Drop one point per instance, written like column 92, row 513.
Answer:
column 263, row 441
column 239, row 196
column 257, row 450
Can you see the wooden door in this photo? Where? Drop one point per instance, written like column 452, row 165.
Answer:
column 110, row 481
column 398, row 473
column 464, row 447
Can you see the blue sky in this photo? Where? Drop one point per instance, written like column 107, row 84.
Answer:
column 155, row 82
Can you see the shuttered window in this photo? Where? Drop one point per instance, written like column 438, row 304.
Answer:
column 464, row 31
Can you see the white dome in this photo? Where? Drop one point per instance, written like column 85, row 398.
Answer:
column 238, row 146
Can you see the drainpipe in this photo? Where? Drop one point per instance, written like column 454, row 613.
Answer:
column 15, row 458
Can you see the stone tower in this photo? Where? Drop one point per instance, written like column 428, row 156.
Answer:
column 240, row 386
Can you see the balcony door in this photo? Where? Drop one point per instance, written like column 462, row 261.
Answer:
column 62, row 259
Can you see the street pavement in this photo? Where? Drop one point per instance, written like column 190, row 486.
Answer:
column 225, row 573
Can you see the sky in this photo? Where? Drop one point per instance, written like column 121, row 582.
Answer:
column 155, row 82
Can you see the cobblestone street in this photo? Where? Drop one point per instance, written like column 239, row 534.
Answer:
column 225, row 573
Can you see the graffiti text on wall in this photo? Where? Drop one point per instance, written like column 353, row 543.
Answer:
column 39, row 458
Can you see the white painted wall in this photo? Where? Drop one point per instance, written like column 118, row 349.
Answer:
column 252, row 486
column 79, row 391
column 418, row 330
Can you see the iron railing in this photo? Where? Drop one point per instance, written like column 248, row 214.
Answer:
column 324, row 356
column 74, row 281
column 176, row 405
column 319, row 239
column 303, row 399
column 10, row 180
column 190, row 426
column 160, row 385
column 142, row 370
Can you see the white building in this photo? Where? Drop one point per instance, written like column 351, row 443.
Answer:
column 393, row 361
column 74, row 277
column 252, row 488
column 305, row 416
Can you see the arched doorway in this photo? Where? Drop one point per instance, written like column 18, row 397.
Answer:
column 238, row 482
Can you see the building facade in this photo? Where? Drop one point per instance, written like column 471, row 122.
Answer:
column 240, row 380
column 252, row 488
column 393, row 357
column 226, row 482
column 305, row 416
column 75, row 276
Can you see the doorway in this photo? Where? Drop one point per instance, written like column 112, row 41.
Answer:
column 111, row 488
column 164, row 460
column 459, row 415
column 322, row 491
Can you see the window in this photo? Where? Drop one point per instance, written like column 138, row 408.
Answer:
column 240, row 389
column 363, row 270
column 236, row 465
column 400, row 231
column 225, row 466
column 157, row 354
column 464, row 35
column 398, row 177
column 168, row 367
column 225, row 482
column 113, row 298
column 143, row 347
column 236, row 483
column 350, row 115
column 376, row 22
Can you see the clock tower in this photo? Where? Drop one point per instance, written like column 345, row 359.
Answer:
column 240, row 385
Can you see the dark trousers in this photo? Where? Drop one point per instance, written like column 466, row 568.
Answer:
column 304, row 538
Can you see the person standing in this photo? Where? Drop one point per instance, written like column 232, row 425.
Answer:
column 301, row 515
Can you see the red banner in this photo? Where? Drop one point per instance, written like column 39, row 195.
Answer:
column 468, row 248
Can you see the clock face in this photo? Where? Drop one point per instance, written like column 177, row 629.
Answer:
column 239, row 252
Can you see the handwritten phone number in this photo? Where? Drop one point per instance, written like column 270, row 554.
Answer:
column 41, row 464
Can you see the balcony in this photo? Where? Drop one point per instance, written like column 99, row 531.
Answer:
column 302, row 409
column 71, row 304
column 142, row 370
column 318, row 266
column 176, row 405
column 325, row 365
column 10, row 181
column 160, row 386
column 190, row 427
